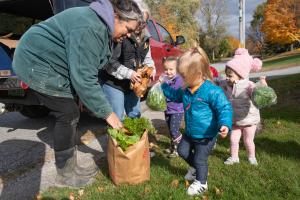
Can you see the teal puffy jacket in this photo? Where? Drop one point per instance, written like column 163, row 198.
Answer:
column 205, row 111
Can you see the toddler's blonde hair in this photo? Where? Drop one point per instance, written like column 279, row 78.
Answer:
column 193, row 63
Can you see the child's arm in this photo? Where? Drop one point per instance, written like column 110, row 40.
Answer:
column 172, row 94
column 223, row 110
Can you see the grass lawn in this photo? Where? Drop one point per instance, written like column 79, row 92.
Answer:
column 289, row 59
column 276, row 177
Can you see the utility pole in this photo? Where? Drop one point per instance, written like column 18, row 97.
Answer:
column 242, row 22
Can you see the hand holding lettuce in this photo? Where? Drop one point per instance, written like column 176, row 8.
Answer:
column 263, row 96
column 132, row 131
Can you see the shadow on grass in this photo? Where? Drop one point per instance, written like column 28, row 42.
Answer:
column 162, row 161
column 287, row 149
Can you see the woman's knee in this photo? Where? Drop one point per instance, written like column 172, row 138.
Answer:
column 69, row 114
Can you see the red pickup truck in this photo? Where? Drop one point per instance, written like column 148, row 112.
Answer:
column 13, row 93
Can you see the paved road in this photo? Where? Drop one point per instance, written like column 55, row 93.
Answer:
column 270, row 74
column 27, row 158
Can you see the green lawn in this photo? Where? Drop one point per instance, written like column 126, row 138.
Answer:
column 276, row 177
column 283, row 61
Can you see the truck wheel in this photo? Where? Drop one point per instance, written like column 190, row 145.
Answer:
column 34, row 111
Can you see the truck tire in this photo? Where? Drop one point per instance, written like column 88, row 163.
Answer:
column 34, row 111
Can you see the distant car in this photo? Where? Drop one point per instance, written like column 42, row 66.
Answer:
column 14, row 94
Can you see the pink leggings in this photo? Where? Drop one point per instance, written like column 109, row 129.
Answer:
column 248, row 136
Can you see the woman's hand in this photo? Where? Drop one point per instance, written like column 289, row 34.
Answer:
column 114, row 121
column 223, row 131
column 135, row 77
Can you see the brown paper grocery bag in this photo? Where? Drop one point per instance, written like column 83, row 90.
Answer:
column 131, row 166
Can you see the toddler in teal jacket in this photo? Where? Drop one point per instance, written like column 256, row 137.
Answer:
column 207, row 113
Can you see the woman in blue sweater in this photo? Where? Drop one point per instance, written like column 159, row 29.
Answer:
column 207, row 113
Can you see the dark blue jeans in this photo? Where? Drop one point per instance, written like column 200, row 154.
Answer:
column 195, row 152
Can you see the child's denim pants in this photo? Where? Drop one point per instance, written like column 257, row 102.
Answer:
column 195, row 152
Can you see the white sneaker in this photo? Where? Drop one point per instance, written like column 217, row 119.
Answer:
column 196, row 188
column 231, row 161
column 191, row 174
column 253, row 161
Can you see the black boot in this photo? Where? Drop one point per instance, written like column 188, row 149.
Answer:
column 66, row 170
column 90, row 170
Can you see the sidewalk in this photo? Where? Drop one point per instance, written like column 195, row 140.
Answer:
column 270, row 74
column 27, row 157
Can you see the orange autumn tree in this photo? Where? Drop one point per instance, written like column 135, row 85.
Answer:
column 279, row 25
column 234, row 43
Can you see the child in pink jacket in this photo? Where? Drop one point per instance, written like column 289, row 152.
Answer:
column 238, row 90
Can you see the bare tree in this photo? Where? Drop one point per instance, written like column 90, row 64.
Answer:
column 213, row 25
column 254, row 34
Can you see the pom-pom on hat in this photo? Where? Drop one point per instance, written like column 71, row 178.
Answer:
column 242, row 63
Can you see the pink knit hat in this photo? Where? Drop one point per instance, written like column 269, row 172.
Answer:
column 242, row 63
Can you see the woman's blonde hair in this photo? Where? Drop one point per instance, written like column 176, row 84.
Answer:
column 193, row 63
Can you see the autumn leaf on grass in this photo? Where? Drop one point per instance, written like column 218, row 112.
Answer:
column 175, row 183
column 218, row 191
column 147, row 190
column 80, row 192
column 100, row 189
column 204, row 197
column 187, row 183
column 39, row 197
column 152, row 145
column 71, row 196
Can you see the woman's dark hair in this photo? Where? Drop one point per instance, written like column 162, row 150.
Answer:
column 127, row 10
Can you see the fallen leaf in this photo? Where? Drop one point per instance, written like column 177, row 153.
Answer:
column 187, row 183
column 152, row 145
column 39, row 197
column 175, row 183
column 100, row 189
column 80, row 192
column 208, row 174
column 71, row 196
column 147, row 190
column 218, row 191
column 204, row 197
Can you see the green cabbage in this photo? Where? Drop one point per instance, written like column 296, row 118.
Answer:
column 264, row 97
column 156, row 99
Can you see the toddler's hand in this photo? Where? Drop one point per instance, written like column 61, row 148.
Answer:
column 223, row 131
column 263, row 81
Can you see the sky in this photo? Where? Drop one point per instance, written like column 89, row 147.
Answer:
column 233, row 14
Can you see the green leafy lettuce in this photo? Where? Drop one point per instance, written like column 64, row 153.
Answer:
column 135, row 127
